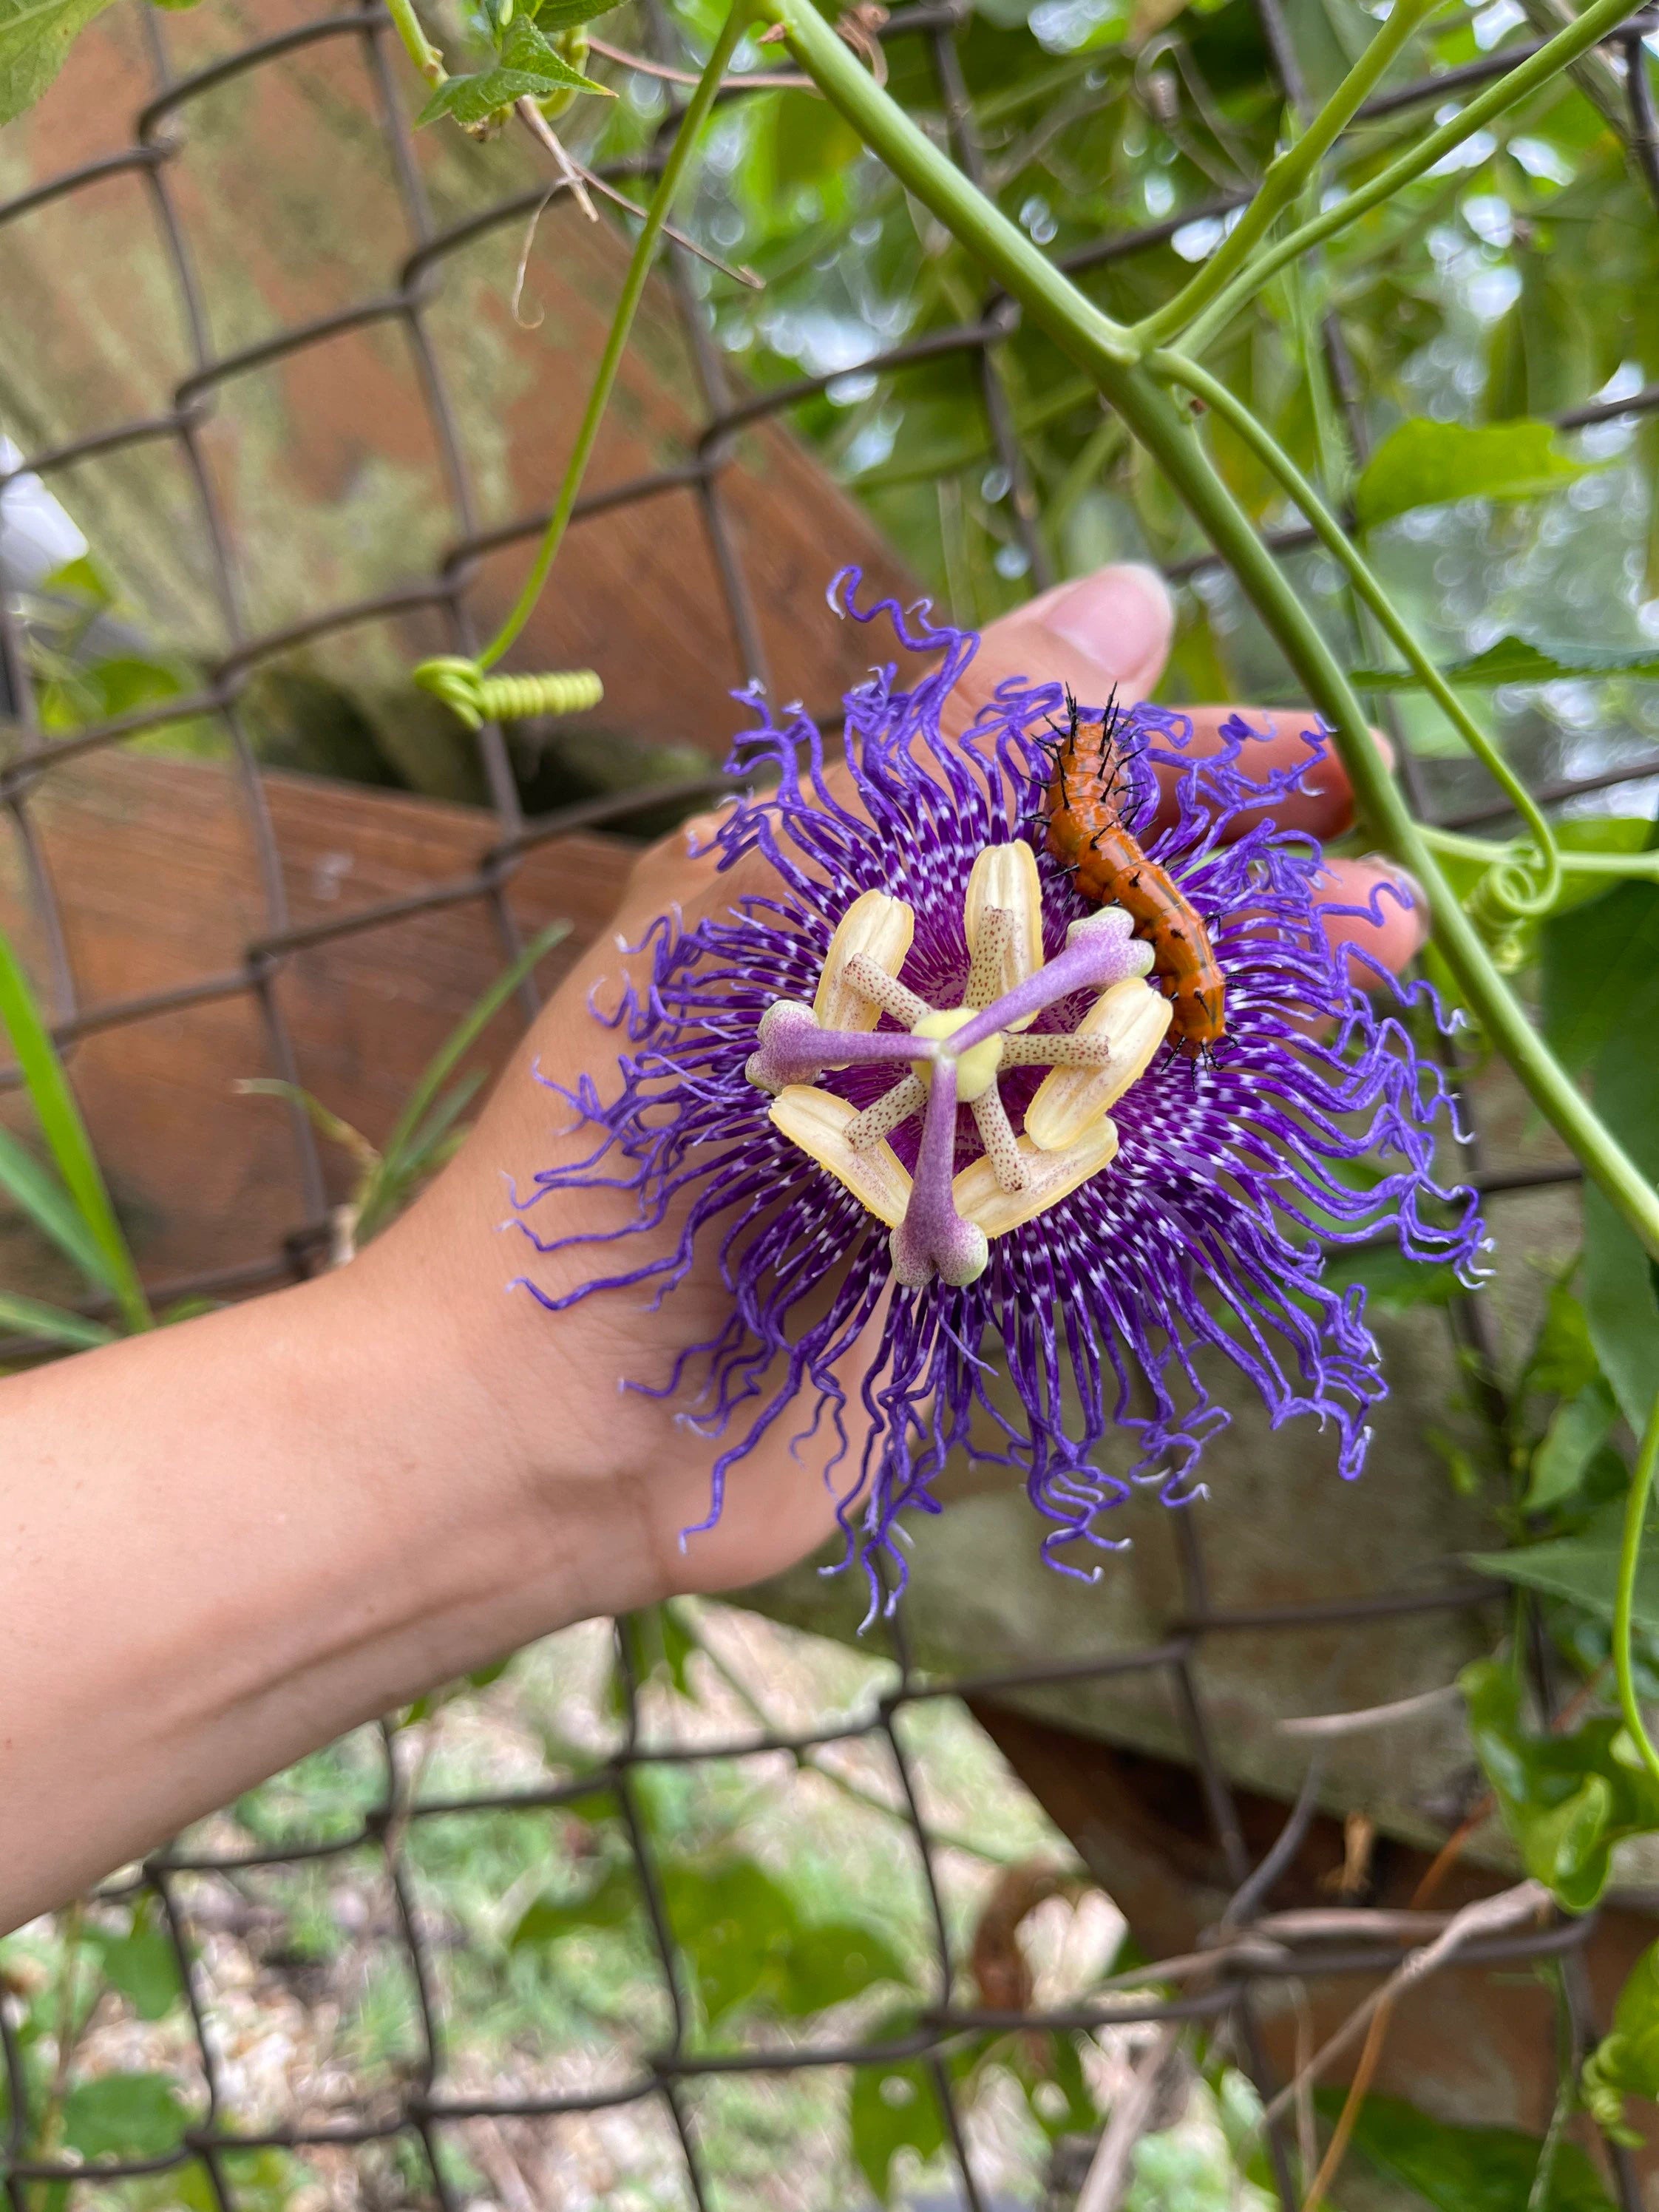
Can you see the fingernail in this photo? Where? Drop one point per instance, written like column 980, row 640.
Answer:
column 1120, row 618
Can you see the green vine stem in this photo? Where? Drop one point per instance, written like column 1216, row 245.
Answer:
column 1615, row 865
column 1522, row 886
column 1515, row 85
column 1109, row 354
column 639, row 268
column 1630, row 1556
column 1289, row 173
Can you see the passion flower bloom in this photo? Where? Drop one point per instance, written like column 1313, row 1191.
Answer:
column 924, row 1070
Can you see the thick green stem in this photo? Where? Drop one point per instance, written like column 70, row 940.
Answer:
column 1097, row 344
column 1630, row 1559
column 1288, row 174
column 622, row 322
column 1527, row 896
column 1519, row 83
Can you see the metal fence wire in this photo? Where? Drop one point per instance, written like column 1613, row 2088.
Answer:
column 424, row 2110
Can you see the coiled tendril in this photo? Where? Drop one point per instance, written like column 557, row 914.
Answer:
column 478, row 698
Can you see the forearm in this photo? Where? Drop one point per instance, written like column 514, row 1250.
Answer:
column 226, row 1542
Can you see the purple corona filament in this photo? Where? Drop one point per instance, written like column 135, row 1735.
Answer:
column 921, row 1086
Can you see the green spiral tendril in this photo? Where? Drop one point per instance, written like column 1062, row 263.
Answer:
column 478, row 698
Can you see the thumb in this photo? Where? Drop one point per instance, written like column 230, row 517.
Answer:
column 1110, row 629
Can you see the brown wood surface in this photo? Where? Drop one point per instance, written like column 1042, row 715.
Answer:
column 156, row 868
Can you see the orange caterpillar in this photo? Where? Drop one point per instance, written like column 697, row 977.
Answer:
column 1086, row 833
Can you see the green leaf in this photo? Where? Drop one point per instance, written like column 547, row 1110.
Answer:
column 1600, row 997
column 1596, row 960
column 1563, row 1359
column 49, row 1206
column 123, row 2115
column 1459, row 2169
column 567, row 15
column 529, row 67
column 51, row 1324
column 748, row 1946
column 34, row 37
column 1567, row 1799
column 144, row 1966
column 892, row 2106
column 1518, row 661
column 1578, row 1430
column 611, row 1902
column 1427, row 463
column 1625, row 2062
column 1582, row 1567
column 66, row 1133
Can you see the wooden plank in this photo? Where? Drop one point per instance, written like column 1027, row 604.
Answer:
column 156, row 869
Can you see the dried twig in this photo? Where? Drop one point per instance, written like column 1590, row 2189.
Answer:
column 1111, row 2168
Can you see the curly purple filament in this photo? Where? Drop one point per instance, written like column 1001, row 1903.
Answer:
column 1208, row 1229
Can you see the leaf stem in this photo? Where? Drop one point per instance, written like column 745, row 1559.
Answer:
column 419, row 48
column 633, row 291
column 1289, row 172
column 1517, row 84
column 1629, row 1559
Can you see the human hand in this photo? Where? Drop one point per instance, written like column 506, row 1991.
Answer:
column 275, row 1521
column 633, row 1451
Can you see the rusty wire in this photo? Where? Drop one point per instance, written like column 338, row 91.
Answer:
column 424, row 2110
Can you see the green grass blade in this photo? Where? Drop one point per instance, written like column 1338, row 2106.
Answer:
column 51, row 1324
column 462, row 1038
column 65, row 1133
column 39, row 1193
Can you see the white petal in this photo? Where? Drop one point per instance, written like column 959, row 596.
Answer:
column 817, row 1121
column 1133, row 1017
column 1006, row 876
column 1050, row 1176
column 881, row 928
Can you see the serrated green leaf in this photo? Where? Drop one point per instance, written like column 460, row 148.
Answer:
column 1458, row 2169
column 34, row 37
column 529, row 67
column 1428, row 464
column 1519, row 660
column 123, row 2115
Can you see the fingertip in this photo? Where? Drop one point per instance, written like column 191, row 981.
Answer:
column 1386, row 918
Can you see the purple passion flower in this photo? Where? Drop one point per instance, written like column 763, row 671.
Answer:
column 926, row 1071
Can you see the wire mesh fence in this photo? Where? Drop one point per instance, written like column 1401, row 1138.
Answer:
column 1225, row 1990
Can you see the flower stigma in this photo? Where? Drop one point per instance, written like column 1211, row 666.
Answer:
column 943, row 1058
